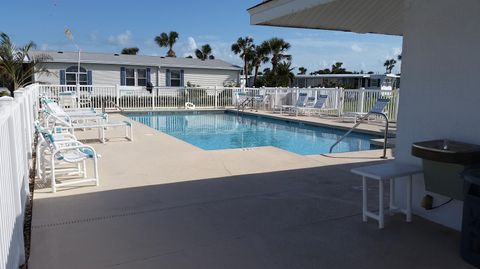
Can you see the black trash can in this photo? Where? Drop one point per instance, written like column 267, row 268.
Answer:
column 470, row 238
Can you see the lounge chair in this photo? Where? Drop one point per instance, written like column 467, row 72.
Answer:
column 310, row 109
column 302, row 99
column 59, row 121
column 377, row 109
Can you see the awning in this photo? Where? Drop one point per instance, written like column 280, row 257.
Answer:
column 360, row 16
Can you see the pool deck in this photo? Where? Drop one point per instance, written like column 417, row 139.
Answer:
column 164, row 203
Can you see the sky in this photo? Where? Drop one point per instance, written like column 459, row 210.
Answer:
column 109, row 26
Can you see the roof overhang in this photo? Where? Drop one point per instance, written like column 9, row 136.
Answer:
column 360, row 16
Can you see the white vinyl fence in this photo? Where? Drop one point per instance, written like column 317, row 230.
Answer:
column 339, row 100
column 17, row 116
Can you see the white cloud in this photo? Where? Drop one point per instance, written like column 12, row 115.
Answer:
column 122, row 39
column 355, row 47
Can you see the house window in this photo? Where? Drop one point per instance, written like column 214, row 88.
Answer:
column 71, row 74
column 129, row 76
column 141, row 77
column 175, row 78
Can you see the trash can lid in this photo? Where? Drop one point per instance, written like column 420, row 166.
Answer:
column 472, row 175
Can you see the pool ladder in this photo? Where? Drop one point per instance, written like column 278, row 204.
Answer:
column 360, row 121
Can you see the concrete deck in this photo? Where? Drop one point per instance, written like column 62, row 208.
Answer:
column 164, row 203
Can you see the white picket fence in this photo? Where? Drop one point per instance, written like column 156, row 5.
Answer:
column 339, row 100
column 17, row 116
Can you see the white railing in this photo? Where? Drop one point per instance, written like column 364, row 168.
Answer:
column 339, row 100
column 17, row 116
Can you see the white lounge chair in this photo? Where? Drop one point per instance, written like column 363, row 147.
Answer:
column 62, row 124
column 310, row 109
column 301, row 101
column 376, row 109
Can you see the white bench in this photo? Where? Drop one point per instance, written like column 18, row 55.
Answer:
column 387, row 171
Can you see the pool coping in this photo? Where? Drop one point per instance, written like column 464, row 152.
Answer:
column 360, row 130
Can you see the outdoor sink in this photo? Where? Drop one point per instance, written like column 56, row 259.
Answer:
column 443, row 161
column 447, row 151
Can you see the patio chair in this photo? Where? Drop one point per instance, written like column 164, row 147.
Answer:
column 377, row 108
column 57, row 157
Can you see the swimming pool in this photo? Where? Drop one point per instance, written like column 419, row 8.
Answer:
column 227, row 130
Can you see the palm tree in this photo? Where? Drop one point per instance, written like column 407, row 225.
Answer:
column 284, row 75
column 165, row 40
column 17, row 66
column 130, row 51
column 205, row 52
column 302, row 70
column 338, row 69
column 244, row 47
column 277, row 48
column 259, row 57
column 389, row 65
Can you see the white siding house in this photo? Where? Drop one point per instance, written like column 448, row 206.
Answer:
column 135, row 70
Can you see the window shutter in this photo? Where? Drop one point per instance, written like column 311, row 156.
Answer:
column 182, row 73
column 148, row 75
column 89, row 77
column 62, row 77
column 167, row 78
column 122, row 76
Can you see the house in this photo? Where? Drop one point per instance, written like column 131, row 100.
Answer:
column 348, row 81
column 135, row 70
column 439, row 61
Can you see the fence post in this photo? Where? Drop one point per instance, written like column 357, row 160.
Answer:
column 216, row 97
column 361, row 100
column 340, row 101
column 153, row 98
column 117, row 95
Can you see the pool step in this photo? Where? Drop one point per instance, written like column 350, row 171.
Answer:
column 379, row 142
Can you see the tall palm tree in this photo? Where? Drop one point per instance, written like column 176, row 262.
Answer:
column 244, row 47
column 277, row 48
column 389, row 65
column 130, row 51
column 284, row 75
column 17, row 66
column 302, row 70
column 165, row 40
column 205, row 52
column 259, row 57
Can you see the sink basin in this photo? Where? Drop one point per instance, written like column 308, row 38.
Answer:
column 447, row 151
column 443, row 162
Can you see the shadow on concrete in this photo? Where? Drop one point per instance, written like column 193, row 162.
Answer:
column 305, row 218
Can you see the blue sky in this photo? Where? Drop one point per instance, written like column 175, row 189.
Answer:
column 109, row 26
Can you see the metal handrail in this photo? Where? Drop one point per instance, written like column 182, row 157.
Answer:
column 360, row 122
column 104, row 102
column 245, row 103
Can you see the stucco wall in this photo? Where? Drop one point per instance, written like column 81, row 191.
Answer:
column 440, row 89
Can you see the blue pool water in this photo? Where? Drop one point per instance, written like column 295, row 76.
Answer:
column 227, row 130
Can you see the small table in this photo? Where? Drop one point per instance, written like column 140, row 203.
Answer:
column 387, row 171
